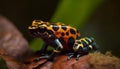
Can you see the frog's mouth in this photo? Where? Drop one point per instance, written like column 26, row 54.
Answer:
column 34, row 31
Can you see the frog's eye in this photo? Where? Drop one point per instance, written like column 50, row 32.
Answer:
column 41, row 29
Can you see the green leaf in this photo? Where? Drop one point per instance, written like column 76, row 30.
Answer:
column 75, row 12
column 36, row 44
column 3, row 64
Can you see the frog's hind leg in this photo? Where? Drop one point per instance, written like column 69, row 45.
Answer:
column 84, row 45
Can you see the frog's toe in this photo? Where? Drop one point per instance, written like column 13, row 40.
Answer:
column 70, row 55
column 77, row 57
column 42, row 57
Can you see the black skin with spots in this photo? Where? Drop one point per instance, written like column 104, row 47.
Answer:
column 64, row 27
column 67, row 33
column 55, row 28
column 72, row 31
column 71, row 41
column 50, row 31
column 62, row 40
column 79, row 42
column 62, row 34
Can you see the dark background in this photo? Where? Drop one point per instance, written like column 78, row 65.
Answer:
column 23, row 12
column 104, row 24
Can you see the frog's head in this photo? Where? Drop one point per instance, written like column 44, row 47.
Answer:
column 38, row 28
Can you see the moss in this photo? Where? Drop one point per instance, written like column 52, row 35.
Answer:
column 101, row 61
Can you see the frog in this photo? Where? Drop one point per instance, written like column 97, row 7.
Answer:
column 63, row 38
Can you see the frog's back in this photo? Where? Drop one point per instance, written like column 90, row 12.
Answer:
column 66, row 34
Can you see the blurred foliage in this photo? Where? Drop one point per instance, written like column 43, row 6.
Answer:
column 36, row 44
column 72, row 12
column 3, row 64
column 75, row 12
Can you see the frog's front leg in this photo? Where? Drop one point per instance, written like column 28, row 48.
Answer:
column 43, row 52
column 44, row 48
column 56, row 50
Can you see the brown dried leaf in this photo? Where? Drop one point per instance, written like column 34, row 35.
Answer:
column 63, row 63
column 11, row 62
column 30, row 63
column 11, row 40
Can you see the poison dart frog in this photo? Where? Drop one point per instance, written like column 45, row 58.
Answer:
column 63, row 38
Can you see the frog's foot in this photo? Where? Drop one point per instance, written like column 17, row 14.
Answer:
column 43, row 56
column 77, row 57
column 71, row 55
